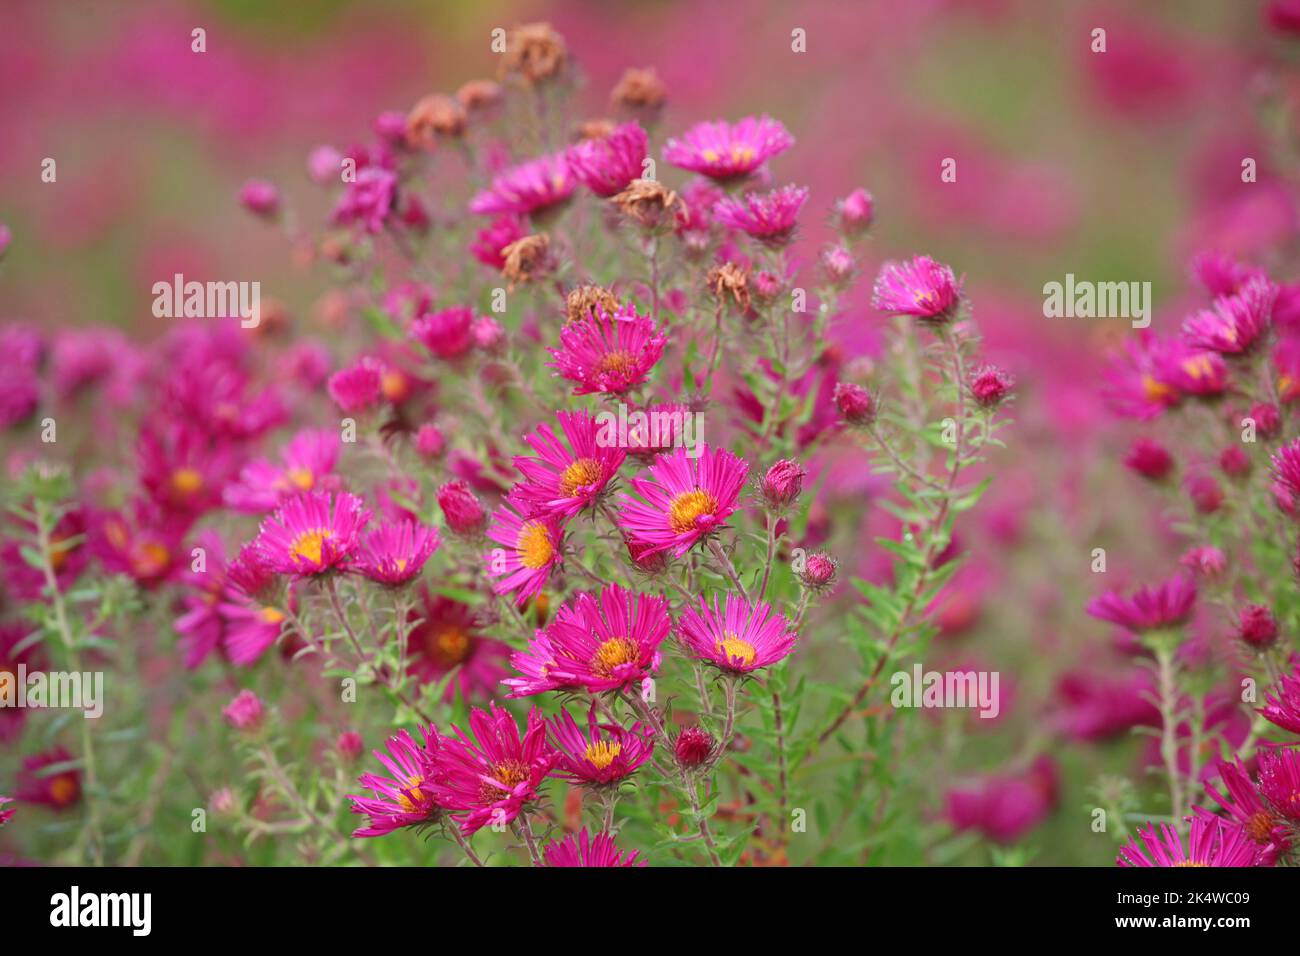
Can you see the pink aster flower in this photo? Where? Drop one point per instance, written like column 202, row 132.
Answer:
column 357, row 387
column 1236, row 323
column 532, row 547
column 37, row 781
column 1167, row 605
column 606, row 165
column 448, row 334
column 202, row 626
column 568, row 475
column 739, row 637
column 579, row 849
column 527, row 188
column 245, row 711
column 1286, row 467
column 722, row 150
column 490, row 244
column 394, row 554
column 489, row 776
column 769, row 217
column 1213, row 842
column 368, row 201
column 252, row 618
column 1194, row 373
column 599, row 754
column 7, row 815
column 1003, row 807
column 1137, row 379
column 1220, row 274
column 306, row 463
column 1282, row 704
column 1150, row 459
column 604, row 643
column 404, row 798
column 312, row 534
column 685, row 499
column 920, row 287
column 1279, row 780
column 1206, row 560
column 444, row 635
column 1245, row 805
column 608, row 353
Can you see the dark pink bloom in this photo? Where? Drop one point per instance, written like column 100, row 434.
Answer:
column 1137, row 380
column 448, row 334
column 1283, row 16
column 527, row 188
column 1268, row 423
column 429, row 441
column 532, row 549
column 394, row 554
column 990, row 385
column 1150, row 459
column 769, row 217
column 1200, row 374
column 406, row 797
column 1207, row 561
column 245, row 711
column 1236, row 323
column 1205, row 492
column 1221, row 275
column 854, row 403
column 462, row 511
column 569, row 475
column 490, row 244
column 607, row 164
column 39, row 782
column 1286, row 467
column 608, row 353
column 1005, row 807
column 202, row 626
column 252, row 620
column 920, row 287
column 599, row 754
column 445, row 635
column 313, row 534
column 12, row 634
column 489, row 776
column 693, row 747
column 1093, row 706
column 597, row 644
column 358, row 387
column 686, row 498
column 722, row 150
column 260, row 198
column 737, row 637
column 1234, row 462
column 581, row 850
column 349, row 745
column 1167, row 605
column 1213, row 842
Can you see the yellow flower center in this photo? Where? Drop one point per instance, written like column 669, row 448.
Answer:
column 736, row 649
column 186, row 481
column 62, row 789
column 300, row 478
column 309, row 545
column 687, row 507
column 1260, row 826
column 601, row 753
column 394, row 384
column 613, row 653
column 448, row 646
column 511, row 773
column 413, row 795
column 150, row 559
column 534, row 545
column 583, row 472
column 1190, row 863
column 271, row 616
column 620, row 362
column 1155, row 391
column 1198, row 366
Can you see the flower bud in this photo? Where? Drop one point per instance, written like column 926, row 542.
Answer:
column 1149, row 459
column 693, row 747
column 1267, row 421
column 856, row 211
column 855, row 404
column 260, row 198
column 462, row 510
column 429, row 442
column 782, row 484
column 1257, row 626
column 838, row 263
column 818, row 572
column 245, row 712
column 990, row 385
column 350, row 745
column 1234, row 462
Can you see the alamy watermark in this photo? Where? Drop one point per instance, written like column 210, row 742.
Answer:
column 957, row 689
column 53, row 690
column 179, row 299
column 1098, row 300
column 656, row 429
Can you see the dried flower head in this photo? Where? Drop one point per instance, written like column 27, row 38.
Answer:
column 526, row 259
column 435, row 115
column 582, row 302
column 648, row 202
column 535, row 53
